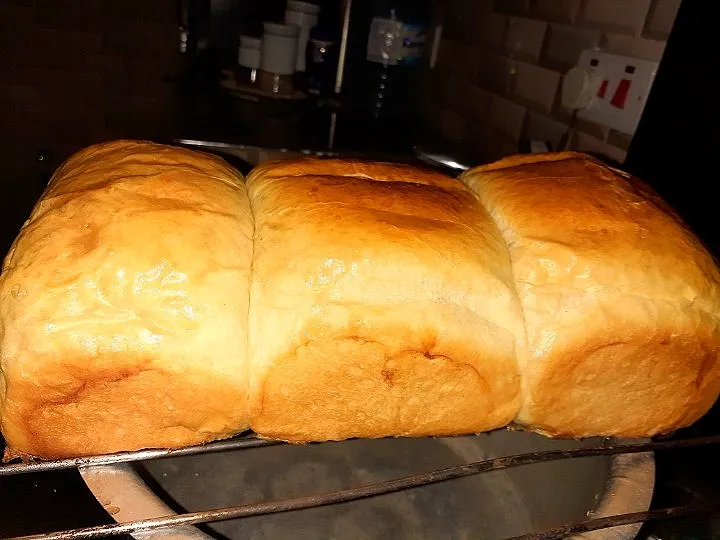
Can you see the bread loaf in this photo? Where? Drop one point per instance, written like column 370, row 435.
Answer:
column 154, row 300
column 123, row 305
column 382, row 304
column 621, row 302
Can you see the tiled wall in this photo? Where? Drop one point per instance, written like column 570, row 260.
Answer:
column 73, row 72
column 500, row 65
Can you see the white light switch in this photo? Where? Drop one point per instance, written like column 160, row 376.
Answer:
column 608, row 89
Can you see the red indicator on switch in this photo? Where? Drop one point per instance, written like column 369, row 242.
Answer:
column 603, row 89
column 621, row 93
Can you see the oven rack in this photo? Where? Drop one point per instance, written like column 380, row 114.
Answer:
column 361, row 492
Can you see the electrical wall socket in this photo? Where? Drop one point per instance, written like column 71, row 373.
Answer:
column 624, row 85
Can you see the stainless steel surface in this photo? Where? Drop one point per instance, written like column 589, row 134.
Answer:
column 210, row 144
column 440, row 159
column 255, row 154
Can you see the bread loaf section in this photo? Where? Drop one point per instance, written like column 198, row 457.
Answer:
column 620, row 300
column 382, row 304
column 124, row 303
column 153, row 300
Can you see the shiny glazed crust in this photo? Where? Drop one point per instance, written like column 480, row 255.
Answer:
column 384, row 300
column 123, row 304
column 381, row 305
column 620, row 300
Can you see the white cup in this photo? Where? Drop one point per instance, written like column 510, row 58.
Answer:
column 305, row 16
column 249, row 52
column 279, row 48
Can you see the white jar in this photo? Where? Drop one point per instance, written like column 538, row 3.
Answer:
column 305, row 16
column 279, row 48
column 249, row 52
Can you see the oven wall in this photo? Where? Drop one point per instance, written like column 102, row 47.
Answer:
column 500, row 64
column 74, row 72
column 78, row 71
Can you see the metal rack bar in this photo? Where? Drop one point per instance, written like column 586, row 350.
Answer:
column 141, row 455
column 621, row 519
column 375, row 489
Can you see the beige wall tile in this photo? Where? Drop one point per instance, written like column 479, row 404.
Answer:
column 482, row 143
column 504, row 70
column 489, row 145
column 459, row 18
column 507, row 149
column 512, row 7
column 433, row 115
column 490, row 30
column 588, row 143
column 637, row 47
column 537, row 85
column 585, row 126
column 648, row 49
column 557, row 10
column 525, row 38
column 613, row 152
column 539, row 127
column 453, row 126
column 619, row 139
column 477, row 103
column 661, row 18
column 477, row 5
column 619, row 43
column 457, row 58
column 467, row 62
column 507, row 117
column 626, row 16
column 495, row 72
column 565, row 43
column 453, row 93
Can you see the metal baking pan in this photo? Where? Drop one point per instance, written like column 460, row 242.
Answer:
column 494, row 505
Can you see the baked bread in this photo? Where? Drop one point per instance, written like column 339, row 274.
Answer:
column 382, row 304
column 123, row 305
column 137, row 309
column 621, row 301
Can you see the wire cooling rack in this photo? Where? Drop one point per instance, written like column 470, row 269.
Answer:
column 361, row 492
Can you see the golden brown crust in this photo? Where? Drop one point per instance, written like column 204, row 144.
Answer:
column 517, row 160
column 123, row 305
column 385, row 301
column 381, row 305
column 621, row 302
column 369, row 170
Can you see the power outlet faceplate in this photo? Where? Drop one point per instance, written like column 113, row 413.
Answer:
column 621, row 90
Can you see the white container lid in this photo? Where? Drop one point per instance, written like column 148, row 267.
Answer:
column 250, row 42
column 279, row 29
column 303, row 7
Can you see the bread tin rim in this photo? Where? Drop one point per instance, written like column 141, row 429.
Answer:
column 127, row 497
